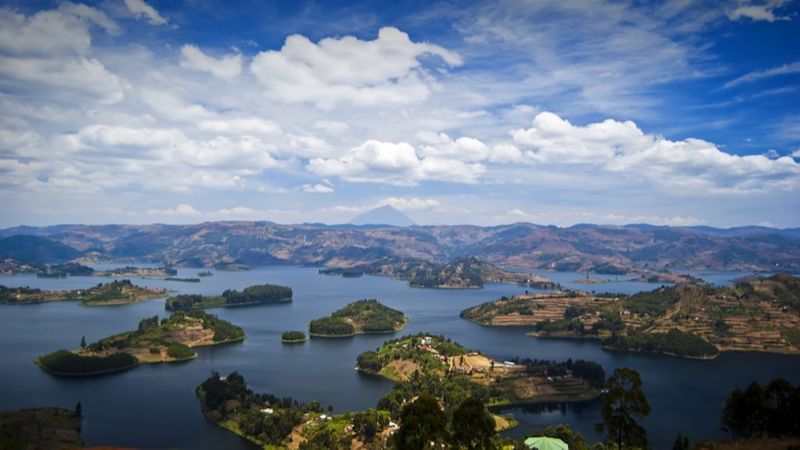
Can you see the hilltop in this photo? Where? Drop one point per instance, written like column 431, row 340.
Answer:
column 615, row 250
column 694, row 320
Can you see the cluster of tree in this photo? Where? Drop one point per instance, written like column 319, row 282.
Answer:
column 179, row 351
column 674, row 342
column 330, row 326
column 107, row 291
column 253, row 295
column 64, row 362
column 258, row 294
column 757, row 411
column 62, row 270
column 369, row 361
column 9, row 295
column 347, row 272
column 652, row 303
column 452, row 389
column 293, row 336
column 425, row 425
column 590, row 371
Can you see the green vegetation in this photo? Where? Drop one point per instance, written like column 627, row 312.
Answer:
column 40, row 428
column 62, row 270
column 154, row 340
column 674, row 342
column 253, row 295
column 624, row 404
column 756, row 411
column 117, row 292
column 653, row 303
column 232, row 267
column 185, row 280
column 66, row 363
column 291, row 337
column 347, row 272
column 361, row 317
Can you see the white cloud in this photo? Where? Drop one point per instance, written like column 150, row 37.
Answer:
column 394, row 163
column 758, row 75
column 141, row 9
column 409, row 204
column 761, row 11
column 386, row 70
column 623, row 148
column 241, row 125
column 227, row 67
column 570, row 217
column 440, row 145
column 317, row 188
column 331, row 126
column 183, row 209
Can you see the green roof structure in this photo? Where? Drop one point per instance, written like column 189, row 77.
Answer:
column 545, row 443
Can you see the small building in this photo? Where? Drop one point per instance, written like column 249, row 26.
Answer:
column 268, row 411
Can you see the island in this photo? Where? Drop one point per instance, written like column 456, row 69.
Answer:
column 260, row 294
column 154, row 341
column 462, row 273
column 293, row 337
column 361, row 317
column 184, row 280
column 41, row 428
column 205, row 273
column 273, row 422
column 117, row 292
column 232, row 267
column 690, row 320
column 430, row 363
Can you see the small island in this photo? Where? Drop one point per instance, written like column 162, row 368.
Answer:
column 205, row 273
column 184, row 280
column 293, row 337
column 167, row 340
column 441, row 365
column 361, row 317
column 41, row 428
column 137, row 272
column 117, row 292
column 232, row 267
column 254, row 295
column 688, row 320
column 463, row 273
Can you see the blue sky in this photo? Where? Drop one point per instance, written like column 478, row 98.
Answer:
column 552, row 112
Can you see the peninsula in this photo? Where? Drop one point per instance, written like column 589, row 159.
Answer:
column 117, row 292
column 437, row 364
column 464, row 273
column 167, row 340
column 261, row 294
column 361, row 317
column 690, row 320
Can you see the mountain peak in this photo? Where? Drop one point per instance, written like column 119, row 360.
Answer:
column 383, row 215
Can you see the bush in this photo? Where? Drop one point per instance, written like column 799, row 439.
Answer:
column 179, row 351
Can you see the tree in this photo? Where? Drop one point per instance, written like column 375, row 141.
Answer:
column 622, row 405
column 681, row 443
column 83, row 341
column 422, row 423
column 78, row 410
column 473, row 427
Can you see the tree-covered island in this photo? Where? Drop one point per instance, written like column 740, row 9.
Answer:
column 117, row 292
column 689, row 320
column 167, row 340
column 293, row 337
column 360, row 317
column 254, row 295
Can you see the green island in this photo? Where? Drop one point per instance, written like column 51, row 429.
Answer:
column 232, row 267
column 167, row 340
column 689, row 320
column 261, row 294
column 205, row 273
column 437, row 366
column 293, row 337
column 185, row 280
column 360, row 317
column 41, row 428
column 117, row 292
column 274, row 422
column 463, row 273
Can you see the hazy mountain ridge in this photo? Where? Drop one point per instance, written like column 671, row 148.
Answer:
column 521, row 245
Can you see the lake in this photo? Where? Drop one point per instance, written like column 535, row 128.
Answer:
column 154, row 406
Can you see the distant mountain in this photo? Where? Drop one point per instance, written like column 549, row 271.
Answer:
column 36, row 250
column 584, row 248
column 385, row 215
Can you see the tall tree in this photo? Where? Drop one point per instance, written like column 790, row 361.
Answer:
column 422, row 422
column 473, row 427
column 83, row 341
column 681, row 443
column 624, row 403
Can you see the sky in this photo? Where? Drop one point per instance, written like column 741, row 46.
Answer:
column 456, row 112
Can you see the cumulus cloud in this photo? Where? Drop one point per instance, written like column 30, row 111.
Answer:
column 409, row 204
column 51, row 49
column 183, row 209
column 440, row 145
column 227, row 67
column 240, row 125
column 568, row 217
column 624, row 148
column 394, row 163
column 141, row 9
column 386, row 70
column 757, row 11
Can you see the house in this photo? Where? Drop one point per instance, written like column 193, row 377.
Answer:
column 268, row 411
column 427, row 340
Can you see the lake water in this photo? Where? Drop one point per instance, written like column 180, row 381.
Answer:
column 154, row 406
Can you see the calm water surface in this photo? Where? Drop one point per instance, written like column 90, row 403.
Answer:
column 154, row 406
